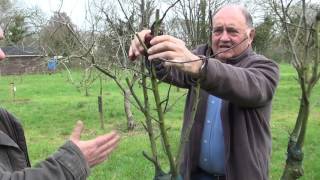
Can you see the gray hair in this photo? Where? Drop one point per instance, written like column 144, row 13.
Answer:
column 243, row 10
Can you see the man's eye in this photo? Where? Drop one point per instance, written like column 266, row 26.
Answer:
column 232, row 31
column 217, row 31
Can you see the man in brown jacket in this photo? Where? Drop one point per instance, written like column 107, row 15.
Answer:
column 71, row 162
column 230, row 138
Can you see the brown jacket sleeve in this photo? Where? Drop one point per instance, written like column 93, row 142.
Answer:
column 67, row 163
column 249, row 80
column 250, row 83
column 171, row 75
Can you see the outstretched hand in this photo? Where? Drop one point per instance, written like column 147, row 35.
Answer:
column 95, row 150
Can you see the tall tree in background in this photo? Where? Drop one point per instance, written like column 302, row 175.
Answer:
column 114, row 42
column 16, row 30
column 13, row 22
column 300, row 27
column 191, row 22
column 102, row 46
column 21, row 25
column 56, row 36
column 5, row 7
column 264, row 33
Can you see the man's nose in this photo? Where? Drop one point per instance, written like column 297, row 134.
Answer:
column 224, row 36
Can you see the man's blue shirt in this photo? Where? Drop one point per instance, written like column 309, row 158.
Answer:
column 212, row 144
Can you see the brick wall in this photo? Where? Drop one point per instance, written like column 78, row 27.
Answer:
column 23, row 65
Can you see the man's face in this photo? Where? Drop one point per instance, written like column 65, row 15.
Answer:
column 230, row 31
column 2, row 56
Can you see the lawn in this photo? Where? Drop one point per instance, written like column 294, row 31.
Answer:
column 49, row 105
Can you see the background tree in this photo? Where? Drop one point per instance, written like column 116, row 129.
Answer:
column 264, row 35
column 100, row 46
column 5, row 11
column 20, row 25
column 103, row 44
column 16, row 30
column 300, row 28
column 191, row 20
column 56, row 37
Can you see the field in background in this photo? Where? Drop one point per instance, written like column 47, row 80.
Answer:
column 49, row 105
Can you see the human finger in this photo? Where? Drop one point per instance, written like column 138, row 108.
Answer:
column 132, row 50
column 166, row 55
column 104, row 155
column 141, row 41
column 1, row 34
column 167, row 38
column 130, row 54
column 136, row 48
column 101, row 140
column 163, row 47
column 2, row 55
column 102, row 151
column 76, row 133
column 110, row 144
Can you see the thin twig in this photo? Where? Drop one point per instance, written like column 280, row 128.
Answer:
column 167, row 99
column 175, row 102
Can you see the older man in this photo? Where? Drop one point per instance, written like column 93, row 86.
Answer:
column 71, row 161
column 230, row 138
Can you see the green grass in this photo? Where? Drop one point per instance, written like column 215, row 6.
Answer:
column 49, row 105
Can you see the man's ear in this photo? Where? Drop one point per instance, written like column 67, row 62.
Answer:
column 252, row 34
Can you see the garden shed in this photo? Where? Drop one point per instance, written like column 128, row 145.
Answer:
column 22, row 60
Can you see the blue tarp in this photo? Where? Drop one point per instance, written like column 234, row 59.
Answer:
column 52, row 64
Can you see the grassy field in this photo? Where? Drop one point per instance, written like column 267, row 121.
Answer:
column 49, row 106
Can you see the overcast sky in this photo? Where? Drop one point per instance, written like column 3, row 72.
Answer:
column 74, row 8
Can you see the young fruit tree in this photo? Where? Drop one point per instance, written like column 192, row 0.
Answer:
column 300, row 23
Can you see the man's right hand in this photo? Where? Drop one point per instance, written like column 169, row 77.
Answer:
column 172, row 51
column 136, row 49
column 95, row 150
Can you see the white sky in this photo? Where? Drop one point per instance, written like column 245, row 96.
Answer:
column 74, row 8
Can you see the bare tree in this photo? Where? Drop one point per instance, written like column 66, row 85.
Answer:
column 56, row 36
column 300, row 27
column 6, row 8
column 161, row 106
column 20, row 25
column 192, row 20
column 102, row 47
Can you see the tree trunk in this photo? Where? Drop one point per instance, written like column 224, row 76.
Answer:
column 86, row 91
column 127, row 108
column 100, row 108
column 293, row 169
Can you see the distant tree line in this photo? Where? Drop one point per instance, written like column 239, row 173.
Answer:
column 105, row 24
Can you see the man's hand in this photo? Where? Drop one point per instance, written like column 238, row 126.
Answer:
column 95, row 150
column 169, row 49
column 136, row 49
column 174, row 53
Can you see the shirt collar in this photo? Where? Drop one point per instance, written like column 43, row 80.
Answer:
column 243, row 55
